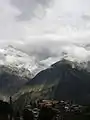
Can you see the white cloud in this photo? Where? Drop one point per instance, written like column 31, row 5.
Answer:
column 63, row 20
column 53, row 26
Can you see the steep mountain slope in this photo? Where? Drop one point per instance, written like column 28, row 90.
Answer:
column 10, row 82
column 16, row 68
column 63, row 80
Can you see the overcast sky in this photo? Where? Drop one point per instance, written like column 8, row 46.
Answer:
column 44, row 23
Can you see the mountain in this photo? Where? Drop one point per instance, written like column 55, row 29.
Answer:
column 18, row 61
column 64, row 80
column 10, row 82
column 16, row 68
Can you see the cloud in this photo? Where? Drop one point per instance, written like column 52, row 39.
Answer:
column 31, row 8
column 62, row 20
column 86, row 17
column 45, row 27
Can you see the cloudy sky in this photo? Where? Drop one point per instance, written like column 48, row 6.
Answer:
column 46, row 25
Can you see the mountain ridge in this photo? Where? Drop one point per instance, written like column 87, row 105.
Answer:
column 61, row 81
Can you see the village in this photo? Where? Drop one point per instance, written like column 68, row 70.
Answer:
column 45, row 110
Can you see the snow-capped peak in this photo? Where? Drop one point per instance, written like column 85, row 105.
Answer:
column 29, row 65
column 18, row 60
